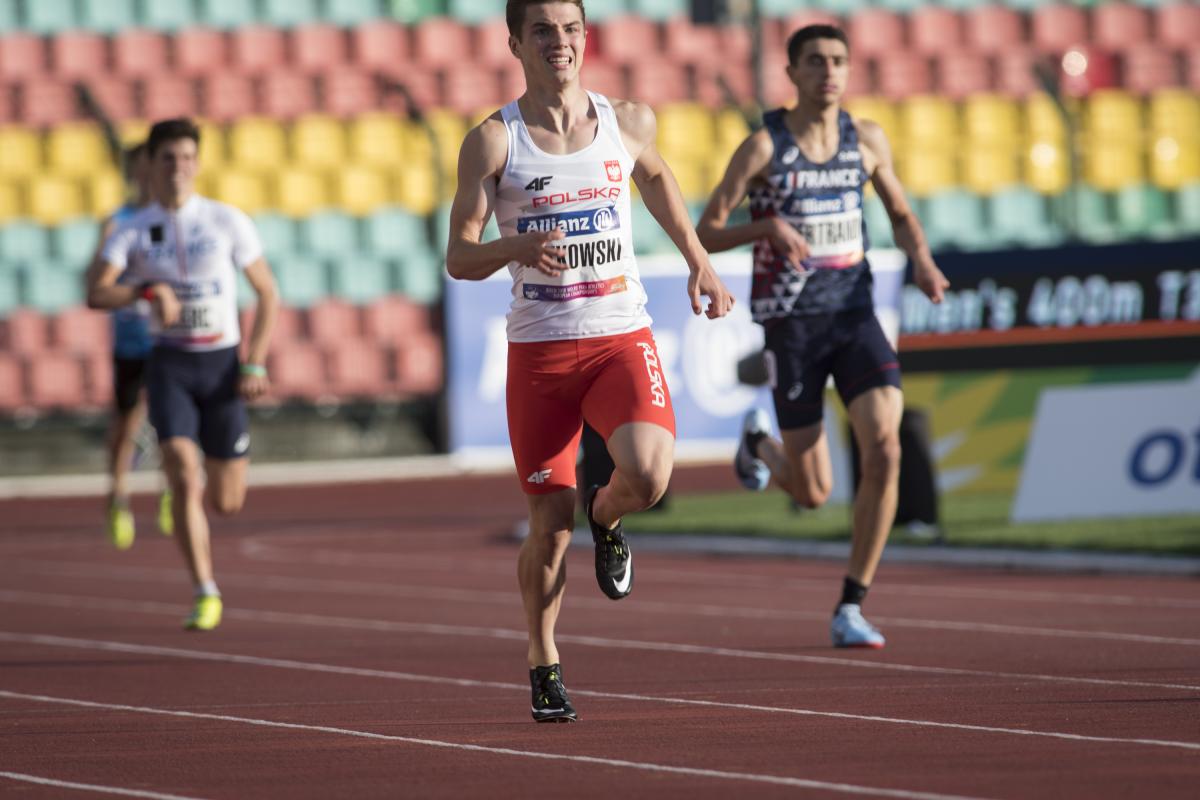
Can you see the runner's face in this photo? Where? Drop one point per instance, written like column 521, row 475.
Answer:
column 821, row 71
column 175, row 167
column 552, row 41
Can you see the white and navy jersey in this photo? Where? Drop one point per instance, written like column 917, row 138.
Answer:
column 197, row 249
column 824, row 203
column 584, row 194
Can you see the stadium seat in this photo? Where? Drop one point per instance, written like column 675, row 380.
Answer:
column 79, row 54
column 1175, row 112
column 419, row 365
column 20, row 151
column 10, row 202
column 1020, row 217
column 377, row 139
column 23, row 241
column 301, row 192
column 687, row 43
column 302, row 280
column 1148, row 68
column 419, row 276
column 98, row 379
column 361, row 279
column 12, row 383
column 1144, row 212
column 1043, row 119
column 880, row 111
column 347, row 92
column 286, row 95
column 1057, row 27
column 1174, row 163
column 330, row 234
column 954, row 219
column 658, row 82
column 660, row 10
column 56, row 380
column 1014, row 74
column 601, row 77
column 359, row 190
column 50, row 17
column 226, row 96
column 49, row 288
column 358, row 369
column 278, row 233
column 466, row 91
column 169, row 15
column 257, row 144
column 988, row 169
column 1117, row 25
column 244, row 190
column 105, row 192
column 440, row 42
column 934, row 30
column 1047, row 166
column 628, row 40
column 25, row 333
column 1093, row 215
column 348, row 13
column 489, row 40
column 1187, row 209
column 139, row 53
column 258, row 49
column 393, row 232
column 904, row 74
column 289, row 13
column 168, row 96
column 212, row 147
column 80, row 331
column 289, row 324
column 879, row 226
column 297, row 370
column 876, row 32
column 686, row 129
column 1177, row 24
column 1110, row 165
column 46, row 103
column 74, row 241
column 994, row 29
column 116, row 95
column 200, row 51
column 318, row 141
column 388, row 319
column 53, row 199
column 1113, row 114
column 961, row 74
column 380, row 46
column 416, row 188
column 990, row 119
column 928, row 169
column 318, row 48
column 22, row 56
column 929, row 120
column 332, row 322
column 227, row 13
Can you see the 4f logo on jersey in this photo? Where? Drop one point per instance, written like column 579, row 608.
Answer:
column 613, row 170
column 539, row 476
column 537, row 184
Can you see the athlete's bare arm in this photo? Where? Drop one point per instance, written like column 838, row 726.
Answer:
column 748, row 164
column 96, row 264
column 480, row 164
column 105, row 293
column 259, row 276
column 877, row 160
column 662, row 197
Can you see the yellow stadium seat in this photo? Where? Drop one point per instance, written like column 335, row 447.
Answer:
column 106, row 192
column 416, row 188
column 212, row 147
column 730, row 127
column 989, row 169
column 133, row 131
column 377, row 140
column 1174, row 163
column 257, row 145
column 301, row 192
column 449, row 128
column 1112, row 165
column 10, row 200
column 930, row 121
column 990, row 119
column 20, row 152
column 1111, row 114
column 361, row 190
column 1175, row 113
column 319, row 142
column 692, row 177
column 926, row 170
column 55, row 198
column 685, row 129
column 244, row 190
column 77, row 149
column 1047, row 166
column 1043, row 122
column 880, row 111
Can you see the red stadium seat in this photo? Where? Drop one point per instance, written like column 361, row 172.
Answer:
column 200, row 51
column 935, row 30
column 79, row 54
column 962, row 73
column 82, row 331
column 358, row 369
column 657, row 82
column 56, row 380
column 1057, row 27
column 12, row 384
column 347, row 92
column 289, row 325
column 226, row 96
column 735, row 43
column 1099, row 71
column 994, row 29
column 876, row 32
column 441, row 42
column 140, row 53
column 286, row 95
column 860, row 82
column 258, row 49
column 775, row 36
column 8, row 111
column 1014, row 73
column 467, row 90
column 46, row 103
column 393, row 318
column 628, row 40
column 297, row 369
column 98, row 379
column 599, row 76
column 168, row 96
column 418, row 365
column 1117, row 26
column 685, row 43
column 116, row 95
column 489, row 44
column 24, row 332
column 737, row 76
column 1147, row 68
column 512, row 80
column 319, row 48
column 903, row 74
column 1177, row 25
column 334, row 322
column 381, row 46
column 1192, row 68
column 22, row 55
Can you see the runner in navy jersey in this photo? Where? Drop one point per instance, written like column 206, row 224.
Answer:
column 804, row 174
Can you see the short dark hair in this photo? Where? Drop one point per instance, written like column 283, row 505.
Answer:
column 168, row 130
column 808, row 33
column 514, row 12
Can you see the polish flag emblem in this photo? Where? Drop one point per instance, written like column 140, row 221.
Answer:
column 613, row 170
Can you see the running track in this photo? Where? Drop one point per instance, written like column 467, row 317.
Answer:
column 373, row 646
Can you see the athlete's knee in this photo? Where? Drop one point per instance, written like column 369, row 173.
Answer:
column 648, row 484
column 881, row 458
column 810, row 493
column 226, row 504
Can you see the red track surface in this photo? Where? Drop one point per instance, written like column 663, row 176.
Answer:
column 373, row 646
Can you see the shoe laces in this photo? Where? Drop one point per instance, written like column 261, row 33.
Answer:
column 613, row 543
column 551, row 691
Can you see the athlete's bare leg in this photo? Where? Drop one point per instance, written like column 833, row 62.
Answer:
column 643, row 455
column 800, row 464
column 542, row 570
column 181, row 464
column 122, row 432
column 226, row 488
column 875, row 420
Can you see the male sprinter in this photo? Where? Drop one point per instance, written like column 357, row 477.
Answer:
column 182, row 253
column 554, row 166
column 804, row 172
column 131, row 346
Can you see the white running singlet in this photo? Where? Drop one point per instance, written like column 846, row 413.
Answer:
column 584, row 194
column 198, row 250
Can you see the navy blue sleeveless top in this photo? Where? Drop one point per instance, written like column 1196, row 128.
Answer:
column 823, row 202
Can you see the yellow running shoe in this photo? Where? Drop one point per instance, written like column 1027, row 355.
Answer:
column 120, row 526
column 206, row 614
column 166, row 520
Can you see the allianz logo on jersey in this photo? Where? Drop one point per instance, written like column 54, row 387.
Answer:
column 573, row 223
column 195, row 290
column 818, row 179
column 825, row 204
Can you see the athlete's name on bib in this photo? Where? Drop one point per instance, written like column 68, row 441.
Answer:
column 573, row 223
column 590, row 254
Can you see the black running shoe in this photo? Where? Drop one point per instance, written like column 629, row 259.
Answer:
column 614, row 562
column 550, row 701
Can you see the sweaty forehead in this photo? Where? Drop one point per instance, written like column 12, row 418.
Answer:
column 552, row 14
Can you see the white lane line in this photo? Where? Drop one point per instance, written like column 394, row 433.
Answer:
column 308, row 666
column 358, row 623
column 91, row 787
column 368, row 589
column 644, row 766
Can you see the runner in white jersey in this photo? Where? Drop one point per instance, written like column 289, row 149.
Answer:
column 182, row 253
column 554, row 166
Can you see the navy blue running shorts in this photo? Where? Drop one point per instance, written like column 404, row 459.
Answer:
column 196, row 395
column 803, row 351
column 129, row 376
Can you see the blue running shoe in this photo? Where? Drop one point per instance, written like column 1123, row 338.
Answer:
column 850, row 629
column 752, row 471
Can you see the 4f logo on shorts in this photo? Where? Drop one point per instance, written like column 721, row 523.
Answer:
column 539, row 476
column 537, row 184
column 613, row 170
column 658, row 392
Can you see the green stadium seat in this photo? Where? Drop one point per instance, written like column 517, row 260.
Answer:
column 392, row 232
column 278, row 234
column 1021, row 217
column 227, row 13
column 348, row 13
column 169, row 15
column 10, row 290
column 1092, row 213
column 330, row 233
column 1187, row 209
column 289, row 13
column 50, row 16
column 23, row 241
column 1144, row 212
column 954, row 219
column 473, row 12
column 74, row 241
column 107, row 16
column 420, row 276
column 599, row 12
column 660, row 10
column 879, row 227
column 361, row 279
column 8, row 16
column 413, row 11
column 302, row 281
column 648, row 237
column 50, row 287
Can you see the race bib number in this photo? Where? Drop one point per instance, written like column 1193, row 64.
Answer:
column 199, row 319
column 834, row 240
